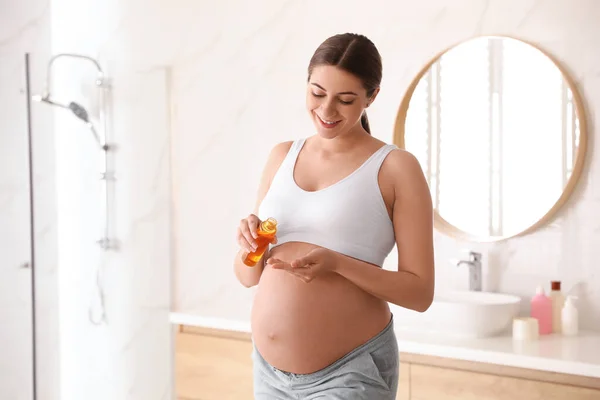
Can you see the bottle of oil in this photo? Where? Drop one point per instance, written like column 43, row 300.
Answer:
column 266, row 231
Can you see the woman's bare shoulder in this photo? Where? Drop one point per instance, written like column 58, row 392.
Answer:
column 402, row 161
column 402, row 167
column 281, row 149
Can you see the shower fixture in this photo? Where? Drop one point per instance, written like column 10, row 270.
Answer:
column 100, row 135
column 96, row 311
column 78, row 110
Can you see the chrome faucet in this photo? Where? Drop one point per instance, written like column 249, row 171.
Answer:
column 474, row 263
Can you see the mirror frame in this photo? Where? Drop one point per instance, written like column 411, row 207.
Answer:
column 447, row 228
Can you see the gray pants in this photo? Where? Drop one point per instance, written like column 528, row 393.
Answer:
column 370, row 371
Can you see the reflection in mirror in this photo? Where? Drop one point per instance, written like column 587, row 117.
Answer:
column 497, row 128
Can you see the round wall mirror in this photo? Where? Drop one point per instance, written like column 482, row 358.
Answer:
column 499, row 130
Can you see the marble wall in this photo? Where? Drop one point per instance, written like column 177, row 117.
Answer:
column 25, row 28
column 238, row 88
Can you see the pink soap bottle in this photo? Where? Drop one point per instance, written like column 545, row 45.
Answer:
column 541, row 309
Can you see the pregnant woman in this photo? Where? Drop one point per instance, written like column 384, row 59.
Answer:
column 321, row 324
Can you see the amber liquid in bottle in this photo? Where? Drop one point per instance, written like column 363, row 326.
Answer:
column 266, row 231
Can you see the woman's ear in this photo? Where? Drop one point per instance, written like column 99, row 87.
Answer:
column 373, row 96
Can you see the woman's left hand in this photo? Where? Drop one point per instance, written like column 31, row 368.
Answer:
column 307, row 268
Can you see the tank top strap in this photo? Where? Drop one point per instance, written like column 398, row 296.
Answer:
column 296, row 147
column 292, row 155
column 379, row 156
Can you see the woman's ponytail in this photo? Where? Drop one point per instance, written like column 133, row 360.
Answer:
column 364, row 121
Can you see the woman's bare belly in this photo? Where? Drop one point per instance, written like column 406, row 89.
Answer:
column 303, row 327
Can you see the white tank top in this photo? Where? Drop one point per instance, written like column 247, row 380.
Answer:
column 349, row 217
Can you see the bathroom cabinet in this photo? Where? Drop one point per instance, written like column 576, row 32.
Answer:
column 212, row 364
column 210, row 367
column 433, row 378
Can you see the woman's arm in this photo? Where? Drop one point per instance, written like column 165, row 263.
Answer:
column 250, row 276
column 412, row 285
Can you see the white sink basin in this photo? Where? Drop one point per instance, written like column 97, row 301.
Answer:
column 462, row 314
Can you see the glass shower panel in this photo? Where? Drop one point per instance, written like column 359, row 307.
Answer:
column 16, row 332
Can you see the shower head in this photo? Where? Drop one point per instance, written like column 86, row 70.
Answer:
column 79, row 112
column 83, row 115
column 77, row 109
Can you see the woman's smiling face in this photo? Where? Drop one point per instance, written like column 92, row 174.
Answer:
column 335, row 100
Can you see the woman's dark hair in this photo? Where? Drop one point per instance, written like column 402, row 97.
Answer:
column 355, row 54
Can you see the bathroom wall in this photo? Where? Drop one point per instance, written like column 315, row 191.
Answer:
column 126, row 354
column 238, row 88
column 25, row 27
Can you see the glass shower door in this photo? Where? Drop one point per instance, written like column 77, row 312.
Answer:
column 16, row 316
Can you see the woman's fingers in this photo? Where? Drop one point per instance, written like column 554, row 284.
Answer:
column 278, row 264
column 246, row 234
column 253, row 222
column 303, row 273
column 243, row 242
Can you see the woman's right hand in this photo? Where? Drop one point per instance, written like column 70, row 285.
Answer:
column 246, row 233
